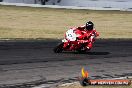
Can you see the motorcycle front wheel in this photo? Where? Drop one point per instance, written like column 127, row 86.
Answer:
column 59, row 48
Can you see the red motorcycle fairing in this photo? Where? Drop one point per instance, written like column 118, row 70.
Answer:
column 74, row 45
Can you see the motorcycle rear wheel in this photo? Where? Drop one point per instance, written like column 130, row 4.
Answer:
column 81, row 51
column 59, row 48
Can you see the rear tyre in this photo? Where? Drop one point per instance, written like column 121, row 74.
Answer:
column 59, row 48
column 81, row 51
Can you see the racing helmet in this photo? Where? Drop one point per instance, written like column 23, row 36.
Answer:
column 89, row 25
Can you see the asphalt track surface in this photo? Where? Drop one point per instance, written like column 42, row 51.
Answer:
column 29, row 63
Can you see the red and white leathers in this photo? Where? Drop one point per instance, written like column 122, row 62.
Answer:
column 83, row 34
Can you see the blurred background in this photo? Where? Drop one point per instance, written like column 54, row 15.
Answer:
column 124, row 4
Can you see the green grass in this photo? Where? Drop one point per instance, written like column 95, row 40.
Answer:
column 34, row 23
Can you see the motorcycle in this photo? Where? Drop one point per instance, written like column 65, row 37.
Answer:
column 73, row 43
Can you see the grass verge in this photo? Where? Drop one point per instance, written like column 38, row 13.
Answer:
column 39, row 23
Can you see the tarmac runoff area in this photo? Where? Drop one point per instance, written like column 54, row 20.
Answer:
column 25, row 64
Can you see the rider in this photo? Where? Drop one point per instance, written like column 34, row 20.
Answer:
column 86, row 31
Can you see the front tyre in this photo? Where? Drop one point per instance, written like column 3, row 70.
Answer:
column 59, row 48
